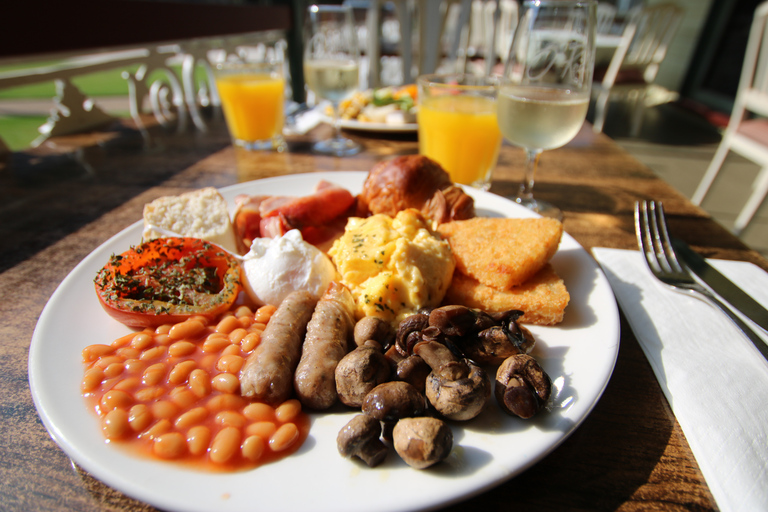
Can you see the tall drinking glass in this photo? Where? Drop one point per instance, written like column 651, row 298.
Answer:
column 253, row 99
column 457, row 125
column 331, row 66
column 544, row 94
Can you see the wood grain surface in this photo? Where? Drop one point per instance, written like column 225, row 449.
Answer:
column 60, row 201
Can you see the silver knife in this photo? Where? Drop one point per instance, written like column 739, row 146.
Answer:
column 724, row 287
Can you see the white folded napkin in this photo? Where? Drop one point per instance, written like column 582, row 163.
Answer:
column 303, row 123
column 714, row 379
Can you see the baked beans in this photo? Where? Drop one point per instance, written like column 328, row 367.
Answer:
column 174, row 393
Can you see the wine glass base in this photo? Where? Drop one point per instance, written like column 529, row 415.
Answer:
column 543, row 208
column 337, row 146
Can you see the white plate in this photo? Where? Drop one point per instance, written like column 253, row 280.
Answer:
column 579, row 355
column 351, row 124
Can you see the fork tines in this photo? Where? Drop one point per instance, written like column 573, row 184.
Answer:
column 653, row 237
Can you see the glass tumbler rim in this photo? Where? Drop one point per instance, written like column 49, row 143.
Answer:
column 236, row 65
column 443, row 80
column 314, row 7
column 564, row 3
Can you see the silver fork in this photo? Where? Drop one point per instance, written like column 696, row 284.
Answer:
column 662, row 260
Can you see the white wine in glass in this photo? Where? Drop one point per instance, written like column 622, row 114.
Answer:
column 544, row 95
column 331, row 79
column 331, row 66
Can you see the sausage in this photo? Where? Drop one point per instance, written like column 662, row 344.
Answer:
column 267, row 374
column 329, row 337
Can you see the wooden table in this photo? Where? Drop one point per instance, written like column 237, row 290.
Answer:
column 59, row 202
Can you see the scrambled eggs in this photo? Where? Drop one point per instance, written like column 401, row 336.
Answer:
column 393, row 266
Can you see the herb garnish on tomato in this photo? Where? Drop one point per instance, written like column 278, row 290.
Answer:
column 168, row 280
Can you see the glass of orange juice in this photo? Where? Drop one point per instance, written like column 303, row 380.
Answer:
column 458, row 127
column 252, row 96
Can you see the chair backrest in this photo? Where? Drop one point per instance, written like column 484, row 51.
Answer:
column 655, row 26
column 497, row 30
column 491, row 26
column 505, row 27
column 752, row 94
column 606, row 13
column 456, row 32
column 436, row 19
column 476, row 27
column 644, row 42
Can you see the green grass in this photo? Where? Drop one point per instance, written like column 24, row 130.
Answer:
column 101, row 83
column 19, row 131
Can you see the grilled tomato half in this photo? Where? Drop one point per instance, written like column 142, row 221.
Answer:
column 168, row 280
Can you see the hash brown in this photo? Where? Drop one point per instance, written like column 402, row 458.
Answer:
column 543, row 297
column 499, row 252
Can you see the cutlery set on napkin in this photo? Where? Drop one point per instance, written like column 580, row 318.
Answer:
column 714, row 377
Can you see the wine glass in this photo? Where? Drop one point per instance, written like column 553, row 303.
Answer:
column 331, row 66
column 544, row 94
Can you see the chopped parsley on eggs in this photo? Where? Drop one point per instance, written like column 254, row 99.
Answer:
column 393, row 266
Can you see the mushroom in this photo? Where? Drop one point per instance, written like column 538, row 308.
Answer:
column 414, row 370
column 522, row 386
column 460, row 320
column 409, row 332
column 485, row 338
column 394, row 400
column 394, row 357
column 457, row 388
column 374, row 328
column 520, row 336
column 360, row 438
column 359, row 372
column 491, row 346
column 422, row 442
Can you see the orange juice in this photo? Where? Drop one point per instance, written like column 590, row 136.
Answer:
column 253, row 106
column 460, row 132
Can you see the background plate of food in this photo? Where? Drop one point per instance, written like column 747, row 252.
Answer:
column 388, row 109
column 579, row 355
column 367, row 126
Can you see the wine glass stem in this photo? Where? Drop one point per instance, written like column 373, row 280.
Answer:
column 531, row 162
column 336, row 126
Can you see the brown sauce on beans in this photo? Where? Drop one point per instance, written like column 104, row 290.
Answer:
column 173, row 393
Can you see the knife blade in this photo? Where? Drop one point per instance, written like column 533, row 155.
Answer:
column 723, row 286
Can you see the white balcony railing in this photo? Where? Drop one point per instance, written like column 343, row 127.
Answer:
column 163, row 84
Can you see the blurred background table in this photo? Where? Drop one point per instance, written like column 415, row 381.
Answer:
column 63, row 199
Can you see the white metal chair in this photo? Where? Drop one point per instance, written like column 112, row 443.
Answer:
column 374, row 26
column 746, row 135
column 501, row 23
column 433, row 25
column 635, row 62
column 428, row 18
column 606, row 13
column 490, row 28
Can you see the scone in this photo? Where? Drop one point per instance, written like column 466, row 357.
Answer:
column 502, row 252
column 543, row 298
column 200, row 214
